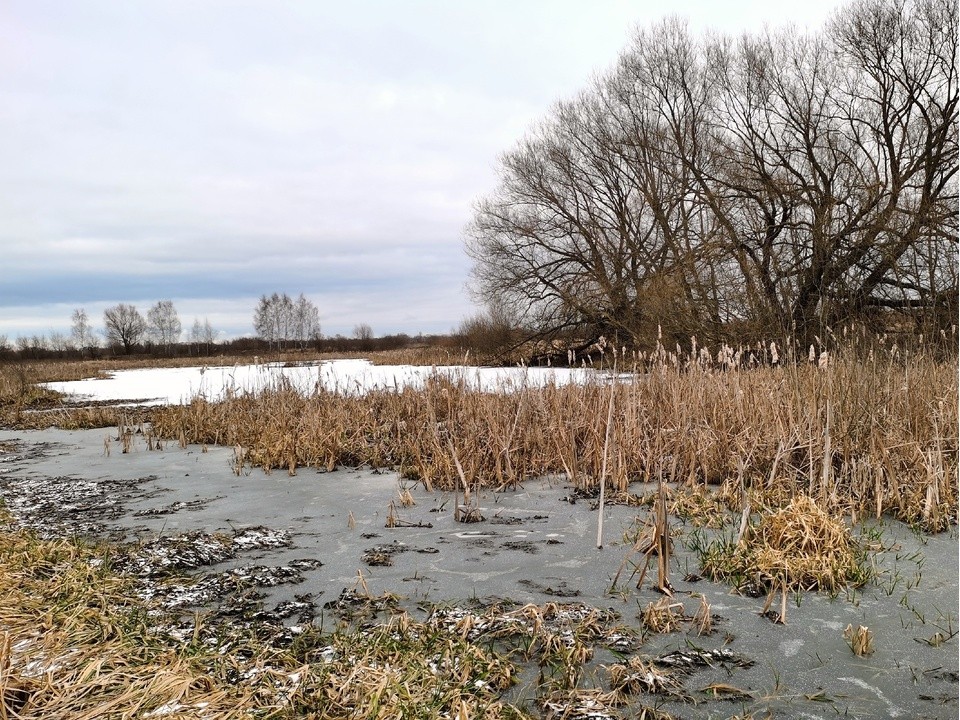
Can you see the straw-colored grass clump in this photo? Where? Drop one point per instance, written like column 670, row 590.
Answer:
column 798, row 547
column 859, row 640
column 73, row 645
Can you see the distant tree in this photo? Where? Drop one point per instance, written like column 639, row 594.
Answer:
column 278, row 320
column 123, row 325
column 363, row 333
column 82, row 331
column 31, row 346
column 57, row 343
column 492, row 334
column 267, row 319
column 306, row 321
column 163, row 324
column 202, row 334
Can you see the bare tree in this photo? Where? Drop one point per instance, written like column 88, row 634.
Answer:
column 123, row 326
column 772, row 184
column 306, row 321
column 491, row 335
column 202, row 335
column 592, row 225
column 275, row 319
column 163, row 325
column 263, row 323
column 57, row 343
column 82, row 331
column 364, row 333
column 839, row 181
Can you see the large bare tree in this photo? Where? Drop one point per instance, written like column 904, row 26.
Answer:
column 123, row 326
column 771, row 185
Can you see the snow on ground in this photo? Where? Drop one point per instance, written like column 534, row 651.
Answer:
column 161, row 386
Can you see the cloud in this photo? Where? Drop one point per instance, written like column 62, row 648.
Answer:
column 212, row 151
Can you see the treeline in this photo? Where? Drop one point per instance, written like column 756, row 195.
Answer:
column 282, row 324
column 763, row 187
column 124, row 331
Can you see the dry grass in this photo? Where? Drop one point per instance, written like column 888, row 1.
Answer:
column 24, row 404
column 862, row 436
column 890, row 446
column 76, row 644
column 799, row 547
column 859, row 640
column 638, row 675
column 663, row 616
column 404, row 669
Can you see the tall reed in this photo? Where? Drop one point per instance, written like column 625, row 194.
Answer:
column 861, row 436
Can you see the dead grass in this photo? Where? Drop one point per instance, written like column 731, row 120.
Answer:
column 663, row 616
column 859, row 640
column 799, row 547
column 863, row 437
column 76, row 644
column 23, row 403
column 891, row 447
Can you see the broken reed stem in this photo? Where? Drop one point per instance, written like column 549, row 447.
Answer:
column 606, row 446
column 827, row 439
column 662, row 535
column 744, row 516
column 463, row 479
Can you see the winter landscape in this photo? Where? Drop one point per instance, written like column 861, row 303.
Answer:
column 660, row 419
column 297, row 567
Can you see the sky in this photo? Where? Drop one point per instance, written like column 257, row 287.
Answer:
column 211, row 151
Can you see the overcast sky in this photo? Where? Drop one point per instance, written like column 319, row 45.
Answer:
column 208, row 152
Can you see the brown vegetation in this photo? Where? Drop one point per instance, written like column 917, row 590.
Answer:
column 864, row 437
column 76, row 643
column 796, row 548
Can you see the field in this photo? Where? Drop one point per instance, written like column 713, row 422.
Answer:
column 779, row 539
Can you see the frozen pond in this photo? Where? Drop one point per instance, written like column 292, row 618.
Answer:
column 157, row 386
column 533, row 546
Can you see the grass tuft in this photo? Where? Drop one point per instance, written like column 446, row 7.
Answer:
column 799, row 547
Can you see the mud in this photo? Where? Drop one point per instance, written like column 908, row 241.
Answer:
column 274, row 552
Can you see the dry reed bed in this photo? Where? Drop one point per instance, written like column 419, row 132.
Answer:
column 25, row 404
column 860, row 437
